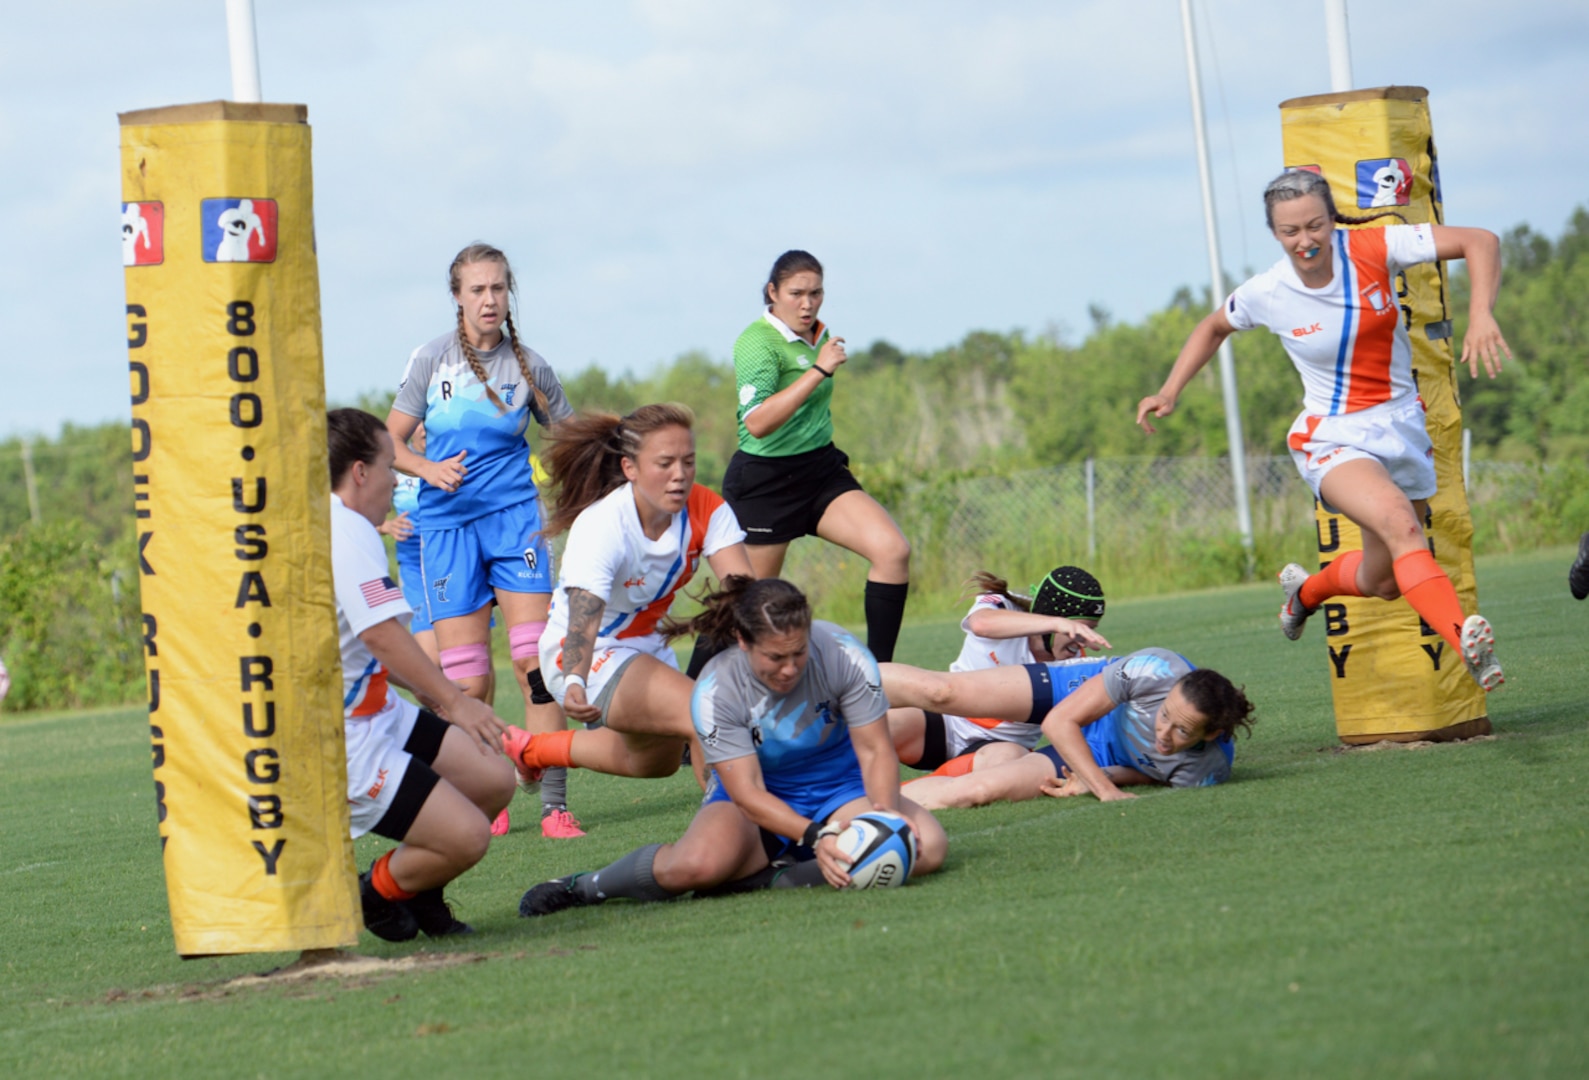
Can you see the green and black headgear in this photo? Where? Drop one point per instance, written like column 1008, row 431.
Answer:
column 1070, row 593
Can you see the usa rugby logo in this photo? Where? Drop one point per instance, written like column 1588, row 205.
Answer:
column 238, row 230
column 143, row 239
column 1383, row 182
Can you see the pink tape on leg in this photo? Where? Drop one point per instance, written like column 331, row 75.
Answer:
column 466, row 661
column 525, row 639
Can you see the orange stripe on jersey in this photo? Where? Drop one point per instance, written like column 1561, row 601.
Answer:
column 702, row 504
column 374, row 694
column 984, row 722
column 1368, row 380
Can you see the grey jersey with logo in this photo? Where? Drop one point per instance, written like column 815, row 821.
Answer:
column 800, row 737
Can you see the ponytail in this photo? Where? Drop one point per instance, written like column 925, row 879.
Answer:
column 586, row 452
column 747, row 609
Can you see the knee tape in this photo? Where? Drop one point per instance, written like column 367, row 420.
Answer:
column 524, row 639
column 466, row 661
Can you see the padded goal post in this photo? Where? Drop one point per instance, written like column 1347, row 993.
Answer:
column 1393, row 677
column 232, row 500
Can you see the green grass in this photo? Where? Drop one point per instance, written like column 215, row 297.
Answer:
column 1364, row 914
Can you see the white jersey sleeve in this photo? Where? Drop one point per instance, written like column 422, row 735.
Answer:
column 1250, row 306
column 366, row 593
column 1408, row 245
column 596, row 552
column 722, row 530
column 979, row 653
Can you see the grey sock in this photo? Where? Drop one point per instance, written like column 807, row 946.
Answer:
column 554, row 790
column 629, row 877
column 802, row 875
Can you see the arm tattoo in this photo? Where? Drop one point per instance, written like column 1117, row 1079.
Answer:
column 584, row 618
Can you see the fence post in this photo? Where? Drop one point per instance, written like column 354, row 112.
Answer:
column 1092, row 512
column 27, row 478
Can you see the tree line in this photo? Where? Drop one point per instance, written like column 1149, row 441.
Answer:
column 990, row 403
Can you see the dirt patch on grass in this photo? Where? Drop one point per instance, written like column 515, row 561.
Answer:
column 1420, row 744
column 310, row 972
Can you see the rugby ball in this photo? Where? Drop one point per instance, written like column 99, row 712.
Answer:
column 881, row 848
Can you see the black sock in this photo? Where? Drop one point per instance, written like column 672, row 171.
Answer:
column 802, row 875
column 885, row 610
column 705, row 649
column 629, row 877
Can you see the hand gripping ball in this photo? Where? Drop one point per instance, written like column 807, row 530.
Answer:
column 881, row 848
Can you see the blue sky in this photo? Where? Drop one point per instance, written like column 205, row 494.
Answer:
column 996, row 165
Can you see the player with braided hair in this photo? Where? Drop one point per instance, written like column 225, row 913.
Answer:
column 475, row 390
column 1002, row 629
column 1360, row 442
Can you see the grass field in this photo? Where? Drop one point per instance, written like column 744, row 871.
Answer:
column 1366, row 914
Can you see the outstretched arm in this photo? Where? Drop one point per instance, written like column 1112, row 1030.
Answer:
column 1063, row 725
column 742, row 779
column 409, row 667
column 999, row 623
column 1198, row 350
column 1482, row 251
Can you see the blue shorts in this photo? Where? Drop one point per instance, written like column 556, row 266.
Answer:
column 1100, row 740
column 817, row 802
column 464, row 567
column 1056, row 680
column 413, row 581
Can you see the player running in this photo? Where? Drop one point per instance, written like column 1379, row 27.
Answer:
column 789, row 721
column 432, row 784
column 787, row 479
column 1149, row 717
column 1002, row 629
column 475, row 390
column 638, row 526
column 1360, row 441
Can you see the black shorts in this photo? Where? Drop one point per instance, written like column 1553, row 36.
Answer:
column 419, row 779
column 935, row 745
column 779, row 499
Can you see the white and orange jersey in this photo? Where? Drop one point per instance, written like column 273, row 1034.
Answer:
column 609, row 555
column 980, row 653
column 366, row 596
column 1346, row 339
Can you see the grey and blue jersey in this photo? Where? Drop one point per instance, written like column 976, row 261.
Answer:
column 801, row 739
column 440, row 388
column 1138, row 684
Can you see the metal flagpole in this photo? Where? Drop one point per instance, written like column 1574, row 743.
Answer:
column 244, row 47
column 1227, row 362
column 1340, row 46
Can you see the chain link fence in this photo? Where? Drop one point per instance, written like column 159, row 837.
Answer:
column 1143, row 525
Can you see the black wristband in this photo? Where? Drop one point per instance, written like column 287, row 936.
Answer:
column 820, row 370
column 809, row 839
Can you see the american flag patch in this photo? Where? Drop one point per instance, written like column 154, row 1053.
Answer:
column 382, row 590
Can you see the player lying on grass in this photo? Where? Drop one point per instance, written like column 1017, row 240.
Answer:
column 790, row 721
column 433, row 784
column 1002, row 630
column 1146, row 718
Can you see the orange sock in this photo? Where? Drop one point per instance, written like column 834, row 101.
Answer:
column 956, row 766
column 381, row 878
column 1425, row 586
column 1337, row 579
column 549, row 751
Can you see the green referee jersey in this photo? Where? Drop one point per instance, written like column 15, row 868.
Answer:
column 768, row 357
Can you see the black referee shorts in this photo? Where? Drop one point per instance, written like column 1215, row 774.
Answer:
column 779, row 499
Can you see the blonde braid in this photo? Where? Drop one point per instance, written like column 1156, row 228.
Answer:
column 542, row 406
column 475, row 365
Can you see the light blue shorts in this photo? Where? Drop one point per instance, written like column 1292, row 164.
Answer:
column 464, row 567
column 413, row 581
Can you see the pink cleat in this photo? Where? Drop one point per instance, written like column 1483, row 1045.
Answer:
column 561, row 825
column 513, row 745
column 499, row 827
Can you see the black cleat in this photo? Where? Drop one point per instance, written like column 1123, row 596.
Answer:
column 550, row 897
column 382, row 917
column 433, row 916
column 1578, row 576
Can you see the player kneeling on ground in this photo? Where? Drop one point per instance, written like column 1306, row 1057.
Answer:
column 791, row 722
column 413, row 776
column 1145, row 718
